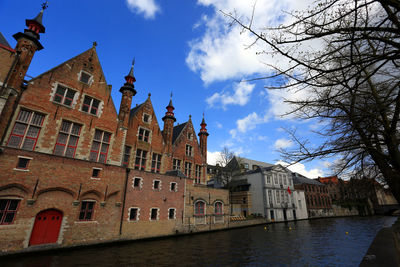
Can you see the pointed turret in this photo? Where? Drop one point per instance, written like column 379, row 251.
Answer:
column 169, row 120
column 203, row 134
column 128, row 91
column 27, row 44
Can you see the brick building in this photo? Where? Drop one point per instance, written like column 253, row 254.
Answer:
column 74, row 171
column 318, row 200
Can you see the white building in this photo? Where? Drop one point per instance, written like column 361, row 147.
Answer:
column 273, row 195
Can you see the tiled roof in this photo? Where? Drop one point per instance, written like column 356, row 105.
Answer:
column 3, row 41
column 177, row 130
column 327, row 180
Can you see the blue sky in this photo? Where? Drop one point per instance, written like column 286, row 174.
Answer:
column 186, row 47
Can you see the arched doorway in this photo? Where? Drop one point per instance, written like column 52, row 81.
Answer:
column 46, row 227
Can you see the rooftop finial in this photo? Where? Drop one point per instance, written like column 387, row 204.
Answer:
column 45, row 5
column 94, row 44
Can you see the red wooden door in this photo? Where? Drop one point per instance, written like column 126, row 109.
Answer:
column 46, row 228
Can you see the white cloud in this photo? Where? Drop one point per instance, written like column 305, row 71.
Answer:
column 223, row 52
column 148, row 8
column 219, row 125
column 301, row 168
column 283, row 143
column 250, row 122
column 241, row 96
column 213, row 157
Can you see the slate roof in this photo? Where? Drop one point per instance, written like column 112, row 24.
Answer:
column 300, row 179
column 177, row 130
column 255, row 162
column 176, row 173
column 3, row 41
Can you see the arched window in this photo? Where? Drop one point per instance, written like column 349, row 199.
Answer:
column 218, row 208
column 199, row 208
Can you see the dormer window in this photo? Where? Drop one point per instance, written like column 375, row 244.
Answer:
column 146, row 118
column 85, row 77
column 190, row 136
column 90, row 105
column 64, row 95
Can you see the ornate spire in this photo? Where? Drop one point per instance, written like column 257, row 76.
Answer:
column 203, row 125
column 130, row 78
column 36, row 24
column 170, row 110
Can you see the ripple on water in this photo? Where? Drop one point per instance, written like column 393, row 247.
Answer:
column 321, row 242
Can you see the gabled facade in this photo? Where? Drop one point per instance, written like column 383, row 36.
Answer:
column 73, row 170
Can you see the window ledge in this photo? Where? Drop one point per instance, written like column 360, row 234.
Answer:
column 63, row 105
column 84, row 222
column 21, row 170
column 95, row 178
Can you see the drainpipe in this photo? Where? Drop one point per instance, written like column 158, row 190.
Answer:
column 124, row 199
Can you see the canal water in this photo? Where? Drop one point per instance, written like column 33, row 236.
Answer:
column 320, row 242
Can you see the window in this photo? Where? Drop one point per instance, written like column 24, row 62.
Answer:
column 282, row 197
column 99, row 150
column 154, row 214
column 26, row 130
column 23, row 163
column 275, row 178
column 284, row 180
column 173, row 187
column 64, row 95
column 278, row 197
column 156, row 184
column 268, row 179
column 67, row 139
column 199, row 208
column 8, row 210
column 218, row 208
column 189, row 150
column 156, row 163
column 146, row 118
column 140, row 162
column 127, row 155
column 171, row 214
column 198, row 174
column 188, row 169
column 85, row 77
column 144, row 135
column 90, row 105
column 270, row 197
column 246, row 166
column 176, row 164
column 190, row 136
column 137, row 182
column 134, row 214
column 96, row 172
column 86, row 212
column 280, row 178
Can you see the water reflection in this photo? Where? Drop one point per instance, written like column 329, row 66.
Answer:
column 322, row 242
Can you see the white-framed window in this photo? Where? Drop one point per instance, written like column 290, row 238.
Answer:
column 85, row 77
column 171, row 213
column 144, row 135
column 91, row 105
column 189, row 150
column 134, row 214
column 156, row 163
column 26, row 130
column 140, row 161
column 146, row 118
column 173, row 187
column 284, row 179
column 157, row 185
column 64, row 95
column 268, row 179
column 270, row 197
column 96, row 172
column 23, row 163
column 137, row 182
column 67, row 140
column 275, row 178
column 100, row 145
column 278, row 197
column 188, row 169
column 154, row 214
column 176, row 164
